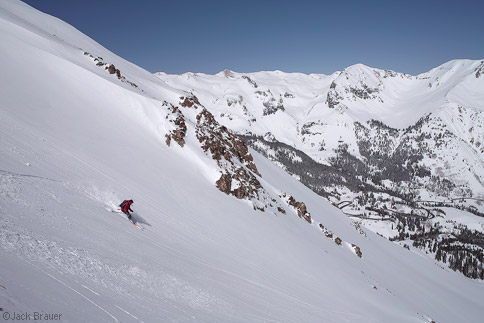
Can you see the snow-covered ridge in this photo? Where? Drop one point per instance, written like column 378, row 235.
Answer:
column 75, row 140
column 317, row 115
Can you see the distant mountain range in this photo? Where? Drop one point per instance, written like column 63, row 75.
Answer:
column 377, row 143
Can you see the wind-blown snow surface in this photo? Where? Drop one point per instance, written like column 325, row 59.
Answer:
column 76, row 140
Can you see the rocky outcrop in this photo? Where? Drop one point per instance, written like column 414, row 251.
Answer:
column 111, row 69
column 339, row 241
column 176, row 117
column 357, row 226
column 357, row 250
column 238, row 170
column 299, row 207
column 358, row 91
column 333, row 98
column 302, row 211
column 237, row 102
column 363, row 91
column 238, row 173
column 190, row 101
column 328, row 234
column 251, row 82
column 222, row 143
column 270, row 103
column 480, row 70
column 224, row 183
column 246, row 185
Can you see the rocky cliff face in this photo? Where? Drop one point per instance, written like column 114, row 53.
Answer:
column 239, row 175
column 232, row 156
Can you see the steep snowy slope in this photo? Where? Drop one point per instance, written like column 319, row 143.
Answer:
column 76, row 139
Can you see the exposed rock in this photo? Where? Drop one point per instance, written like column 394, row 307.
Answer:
column 389, row 73
column 246, row 184
column 232, row 156
column 480, row 70
column 235, row 101
column 271, row 106
column 190, row 102
column 280, row 209
column 254, row 84
column 228, row 73
column 224, row 183
column 338, row 93
column 357, row 250
column 364, row 92
column 111, row 69
column 221, row 142
column 179, row 132
column 357, row 226
column 325, row 231
column 330, row 235
column 333, row 98
column 301, row 209
column 238, row 171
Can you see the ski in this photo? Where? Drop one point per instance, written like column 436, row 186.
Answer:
column 136, row 224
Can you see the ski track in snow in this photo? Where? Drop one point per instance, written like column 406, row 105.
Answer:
column 82, row 295
column 129, row 314
column 95, row 293
column 79, row 262
column 68, row 287
column 76, row 261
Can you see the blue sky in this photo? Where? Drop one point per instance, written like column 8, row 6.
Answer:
column 292, row 36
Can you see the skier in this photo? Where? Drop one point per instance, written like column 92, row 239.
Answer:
column 126, row 207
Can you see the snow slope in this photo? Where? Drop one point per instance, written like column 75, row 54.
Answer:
column 76, row 140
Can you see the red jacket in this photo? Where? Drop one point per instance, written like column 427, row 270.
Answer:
column 126, row 206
